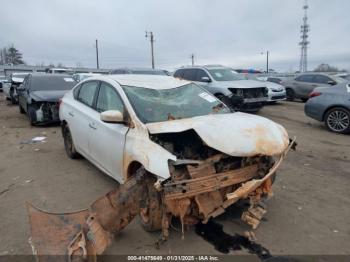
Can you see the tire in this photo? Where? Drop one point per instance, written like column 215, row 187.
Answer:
column 21, row 110
column 31, row 115
column 290, row 94
column 12, row 97
column 150, row 211
column 68, row 143
column 337, row 120
column 304, row 100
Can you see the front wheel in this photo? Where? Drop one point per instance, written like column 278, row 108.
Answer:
column 68, row 143
column 338, row 120
column 290, row 94
column 151, row 209
column 13, row 96
column 32, row 115
column 21, row 110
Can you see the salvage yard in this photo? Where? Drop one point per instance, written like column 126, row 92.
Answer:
column 308, row 214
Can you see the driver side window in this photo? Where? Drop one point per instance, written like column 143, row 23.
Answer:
column 108, row 99
column 201, row 73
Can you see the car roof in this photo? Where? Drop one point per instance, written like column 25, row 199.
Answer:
column 146, row 81
column 314, row 73
column 44, row 75
column 138, row 69
column 206, row 67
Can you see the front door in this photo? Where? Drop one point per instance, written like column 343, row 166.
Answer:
column 107, row 140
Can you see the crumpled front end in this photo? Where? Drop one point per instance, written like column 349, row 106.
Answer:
column 44, row 112
column 208, row 172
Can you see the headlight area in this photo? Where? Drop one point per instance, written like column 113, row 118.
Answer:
column 45, row 111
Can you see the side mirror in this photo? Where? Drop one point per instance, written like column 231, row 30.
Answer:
column 112, row 116
column 331, row 82
column 205, row 79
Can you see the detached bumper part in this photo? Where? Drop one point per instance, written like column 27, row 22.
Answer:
column 87, row 233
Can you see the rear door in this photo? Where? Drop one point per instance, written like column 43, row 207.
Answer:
column 303, row 84
column 107, row 140
column 80, row 113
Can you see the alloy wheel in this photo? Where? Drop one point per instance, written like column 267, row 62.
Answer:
column 338, row 121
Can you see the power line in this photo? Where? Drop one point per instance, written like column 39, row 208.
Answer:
column 304, row 29
column 150, row 35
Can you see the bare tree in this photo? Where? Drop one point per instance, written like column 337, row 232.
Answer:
column 327, row 68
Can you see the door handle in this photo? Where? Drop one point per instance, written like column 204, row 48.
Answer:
column 71, row 113
column 91, row 125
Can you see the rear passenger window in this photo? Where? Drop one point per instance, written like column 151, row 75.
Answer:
column 305, row 78
column 108, row 99
column 190, row 74
column 87, row 92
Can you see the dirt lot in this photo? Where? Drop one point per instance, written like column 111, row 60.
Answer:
column 309, row 213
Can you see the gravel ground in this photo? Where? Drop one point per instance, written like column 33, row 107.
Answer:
column 308, row 215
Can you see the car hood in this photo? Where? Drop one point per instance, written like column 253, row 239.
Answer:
column 240, row 84
column 48, row 95
column 235, row 134
column 274, row 86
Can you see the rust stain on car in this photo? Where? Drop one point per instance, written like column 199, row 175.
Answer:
column 203, row 182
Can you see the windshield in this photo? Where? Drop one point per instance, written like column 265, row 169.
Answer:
column 225, row 74
column 339, row 79
column 155, row 105
column 52, row 83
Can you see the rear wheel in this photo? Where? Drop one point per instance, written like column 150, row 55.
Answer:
column 290, row 94
column 151, row 209
column 68, row 143
column 338, row 120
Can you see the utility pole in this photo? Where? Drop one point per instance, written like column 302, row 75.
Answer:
column 97, row 62
column 304, row 30
column 150, row 35
column 192, row 58
column 267, row 60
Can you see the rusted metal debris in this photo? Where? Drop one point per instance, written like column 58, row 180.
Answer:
column 202, row 185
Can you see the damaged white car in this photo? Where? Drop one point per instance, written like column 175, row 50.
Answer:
column 177, row 151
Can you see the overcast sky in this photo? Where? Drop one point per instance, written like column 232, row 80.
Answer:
column 229, row 32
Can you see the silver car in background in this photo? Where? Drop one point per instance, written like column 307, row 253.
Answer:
column 302, row 85
column 332, row 106
column 227, row 85
column 276, row 92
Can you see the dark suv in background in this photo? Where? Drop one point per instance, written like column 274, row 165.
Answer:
column 227, row 85
column 302, row 85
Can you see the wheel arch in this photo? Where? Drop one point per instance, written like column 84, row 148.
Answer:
column 332, row 107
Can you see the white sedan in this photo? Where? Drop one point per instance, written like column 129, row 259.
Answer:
column 203, row 157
